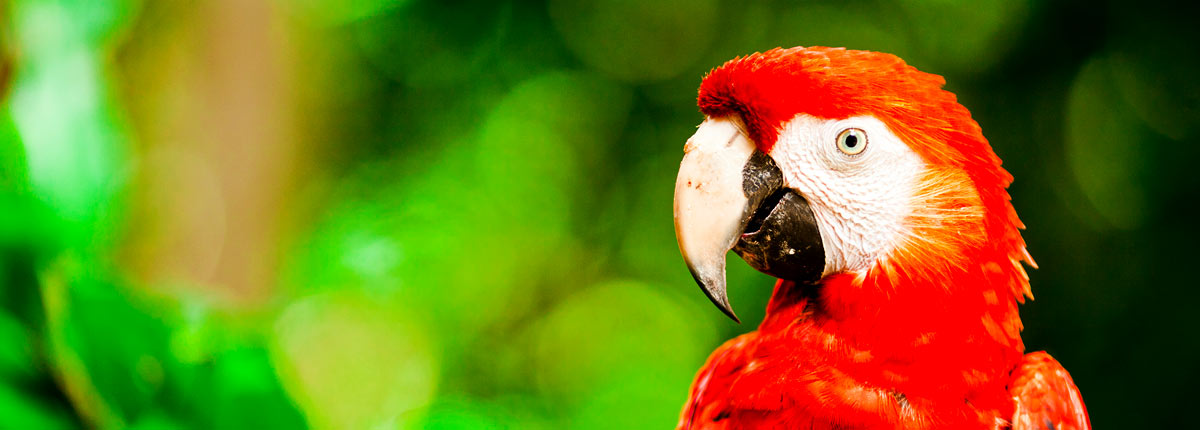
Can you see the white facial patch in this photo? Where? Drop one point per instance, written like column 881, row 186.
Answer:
column 860, row 201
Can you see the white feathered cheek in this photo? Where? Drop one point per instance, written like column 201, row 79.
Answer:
column 860, row 179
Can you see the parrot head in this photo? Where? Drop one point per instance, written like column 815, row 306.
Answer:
column 820, row 162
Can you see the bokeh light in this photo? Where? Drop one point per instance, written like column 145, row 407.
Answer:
column 1102, row 146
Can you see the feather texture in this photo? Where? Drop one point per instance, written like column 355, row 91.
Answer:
column 928, row 337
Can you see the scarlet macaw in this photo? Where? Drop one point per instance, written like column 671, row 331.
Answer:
column 874, row 198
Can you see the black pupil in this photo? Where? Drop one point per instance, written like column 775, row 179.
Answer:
column 851, row 140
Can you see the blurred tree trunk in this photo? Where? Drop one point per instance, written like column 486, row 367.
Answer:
column 208, row 91
column 6, row 52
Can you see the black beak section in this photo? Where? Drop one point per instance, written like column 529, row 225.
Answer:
column 784, row 242
column 728, row 196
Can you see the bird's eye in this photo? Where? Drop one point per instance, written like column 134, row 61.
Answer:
column 852, row 141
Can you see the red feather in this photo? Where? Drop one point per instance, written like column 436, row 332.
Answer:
column 930, row 336
column 1046, row 396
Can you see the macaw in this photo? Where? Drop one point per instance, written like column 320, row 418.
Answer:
column 874, row 198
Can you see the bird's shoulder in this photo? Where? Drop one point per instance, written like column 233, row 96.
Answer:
column 1046, row 397
column 783, row 380
column 707, row 404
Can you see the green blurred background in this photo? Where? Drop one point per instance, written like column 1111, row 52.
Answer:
column 376, row 214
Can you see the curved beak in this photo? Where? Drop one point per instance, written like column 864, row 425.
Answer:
column 729, row 195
